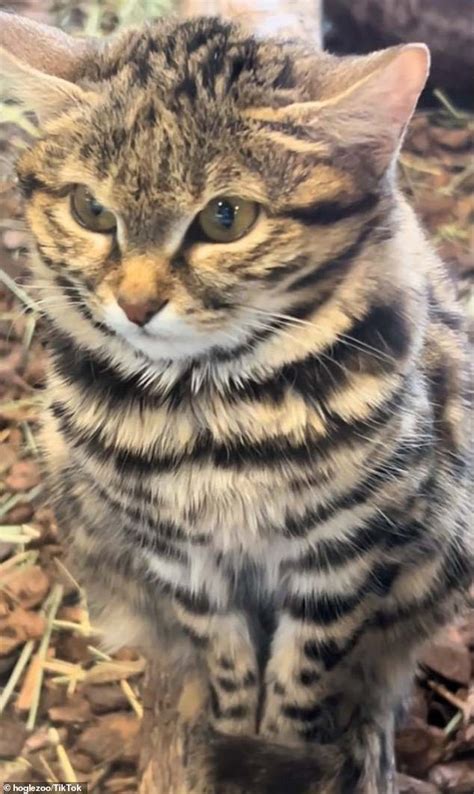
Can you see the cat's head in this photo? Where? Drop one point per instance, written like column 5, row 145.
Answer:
column 191, row 183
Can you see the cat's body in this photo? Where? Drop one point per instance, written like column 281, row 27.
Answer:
column 277, row 464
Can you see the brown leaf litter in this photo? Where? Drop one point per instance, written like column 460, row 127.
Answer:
column 70, row 712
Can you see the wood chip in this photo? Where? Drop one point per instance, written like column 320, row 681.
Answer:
column 25, row 698
column 28, row 586
column 17, row 627
column 23, row 476
column 76, row 711
column 448, row 659
column 419, row 747
column 455, row 778
column 12, row 737
column 410, row 785
column 114, row 736
column 104, row 698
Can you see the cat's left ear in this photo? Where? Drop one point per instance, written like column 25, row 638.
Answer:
column 376, row 108
column 40, row 64
column 370, row 102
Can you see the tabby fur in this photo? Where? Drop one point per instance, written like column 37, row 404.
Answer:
column 276, row 473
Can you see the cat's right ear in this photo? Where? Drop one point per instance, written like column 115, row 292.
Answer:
column 40, row 64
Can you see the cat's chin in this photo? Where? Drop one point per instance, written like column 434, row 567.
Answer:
column 156, row 348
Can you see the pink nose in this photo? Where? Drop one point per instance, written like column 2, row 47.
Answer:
column 141, row 312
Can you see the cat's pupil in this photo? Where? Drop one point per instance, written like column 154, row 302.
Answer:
column 225, row 214
column 95, row 208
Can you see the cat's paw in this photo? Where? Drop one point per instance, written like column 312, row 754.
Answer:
column 234, row 701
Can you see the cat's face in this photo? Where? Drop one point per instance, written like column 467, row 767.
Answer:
column 181, row 206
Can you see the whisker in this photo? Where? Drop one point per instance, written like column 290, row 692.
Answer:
column 357, row 344
column 344, row 338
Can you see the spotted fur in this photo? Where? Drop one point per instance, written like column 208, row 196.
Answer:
column 276, row 468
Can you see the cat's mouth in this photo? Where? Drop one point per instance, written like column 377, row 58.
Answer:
column 145, row 332
column 168, row 336
column 165, row 346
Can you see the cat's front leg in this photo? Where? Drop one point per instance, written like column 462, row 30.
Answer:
column 299, row 693
column 224, row 640
column 323, row 686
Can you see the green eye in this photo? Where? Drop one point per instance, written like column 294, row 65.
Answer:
column 89, row 213
column 227, row 218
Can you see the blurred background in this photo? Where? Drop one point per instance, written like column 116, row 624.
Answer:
column 67, row 711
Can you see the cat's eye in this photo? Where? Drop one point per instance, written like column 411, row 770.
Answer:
column 227, row 218
column 90, row 213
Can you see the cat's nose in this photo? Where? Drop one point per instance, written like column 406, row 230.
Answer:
column 141, row 312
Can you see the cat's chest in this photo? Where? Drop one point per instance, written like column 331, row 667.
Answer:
column 232, row 538
column 231, row 512
column 212, row 488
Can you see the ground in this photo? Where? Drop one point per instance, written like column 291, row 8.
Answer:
column 68, row 712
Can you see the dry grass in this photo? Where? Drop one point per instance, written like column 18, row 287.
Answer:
column 62, row 663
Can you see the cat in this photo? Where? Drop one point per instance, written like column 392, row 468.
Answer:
column 256, row 422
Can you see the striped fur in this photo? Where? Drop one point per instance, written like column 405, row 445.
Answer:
column 278, row 470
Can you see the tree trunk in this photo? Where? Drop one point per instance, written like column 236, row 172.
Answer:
column 446, row 27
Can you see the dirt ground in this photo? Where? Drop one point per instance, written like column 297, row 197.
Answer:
column 69, row 712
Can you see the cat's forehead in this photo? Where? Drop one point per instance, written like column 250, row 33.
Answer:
column 170, row 104
column 168, row 124
column 209, row 57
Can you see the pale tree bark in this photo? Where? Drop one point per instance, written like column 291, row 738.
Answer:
column 266, row 17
